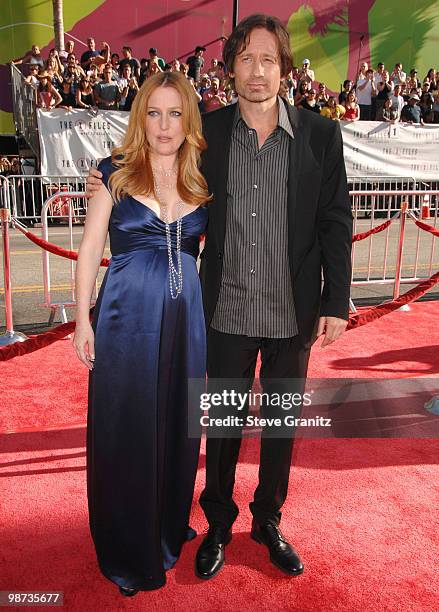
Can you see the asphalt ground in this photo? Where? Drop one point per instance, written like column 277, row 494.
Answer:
column 30, row 315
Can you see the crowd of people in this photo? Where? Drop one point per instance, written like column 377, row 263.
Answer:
column 110, row 81
column 374, row 95
column 10, row 165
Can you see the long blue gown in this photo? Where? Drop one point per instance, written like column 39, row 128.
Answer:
column 141, row 463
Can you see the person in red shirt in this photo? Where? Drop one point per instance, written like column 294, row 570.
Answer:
column 214, row 98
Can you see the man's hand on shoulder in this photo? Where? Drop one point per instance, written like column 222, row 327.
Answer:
column 332, row 327
column 94, row 182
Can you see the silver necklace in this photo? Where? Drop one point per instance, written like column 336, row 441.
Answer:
column 175, row 273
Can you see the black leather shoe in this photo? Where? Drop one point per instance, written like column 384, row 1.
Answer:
column 127, row 591
column 210, row 555
column 282, row 554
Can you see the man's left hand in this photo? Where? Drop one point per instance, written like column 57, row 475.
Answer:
column 332, row 327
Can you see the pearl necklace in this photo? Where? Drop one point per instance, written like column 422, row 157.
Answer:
column 175, row 273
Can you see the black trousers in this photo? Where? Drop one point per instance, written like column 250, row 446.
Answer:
column 365, row 112
column 231, row 356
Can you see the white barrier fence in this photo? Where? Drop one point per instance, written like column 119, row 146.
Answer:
column 72, row 206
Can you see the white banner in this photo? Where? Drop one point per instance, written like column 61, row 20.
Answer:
column 383, row 149
column 72, row 142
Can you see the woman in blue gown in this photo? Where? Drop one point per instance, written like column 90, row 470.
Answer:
column 147, row 337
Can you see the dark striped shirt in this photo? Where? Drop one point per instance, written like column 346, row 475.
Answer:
column 256, row 296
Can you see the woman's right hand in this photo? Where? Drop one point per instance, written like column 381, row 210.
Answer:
column 94, row 182
column 84, row 343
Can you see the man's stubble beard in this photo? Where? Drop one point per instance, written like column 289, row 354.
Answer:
column 254, row 96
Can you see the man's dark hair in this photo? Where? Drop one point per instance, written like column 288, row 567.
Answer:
column 127, row 49
column 238, row 40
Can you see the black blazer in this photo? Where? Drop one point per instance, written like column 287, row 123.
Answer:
column 319, row 216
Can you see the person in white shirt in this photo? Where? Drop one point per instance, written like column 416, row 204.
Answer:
column 398, row 76
column 362, row 71
column 306, row 70
column 366, row 89
column 378, row 77
column 63, row 55
column 32, row 78
column 397, row 99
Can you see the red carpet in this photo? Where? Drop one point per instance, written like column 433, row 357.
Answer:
column 362, row 513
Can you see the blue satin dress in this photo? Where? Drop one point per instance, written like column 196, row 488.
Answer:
column 141, row 463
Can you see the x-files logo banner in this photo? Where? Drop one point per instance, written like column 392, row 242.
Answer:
column 73, row 142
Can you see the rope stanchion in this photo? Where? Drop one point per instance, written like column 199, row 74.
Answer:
column 38, row 341
column 52, row 248
column 372, row 314
column 428, row 228
column 10, row 336
column 374, row 230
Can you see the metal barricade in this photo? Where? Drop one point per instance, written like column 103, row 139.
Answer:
column 24, row 106
column 398, row 265
column 68, row 200
column 376, row 206
column 28, row 192
column 10, row 336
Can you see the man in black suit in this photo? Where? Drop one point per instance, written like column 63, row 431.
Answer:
column 281, row 214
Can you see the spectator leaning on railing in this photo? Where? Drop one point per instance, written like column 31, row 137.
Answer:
column 68, row 97
column 411, row 113
column 352, row 107
column 332, row 110
column 389, row 114
column 397, row 99
column 84, row 93
column 32, row 78
column 47, row 96
column 31, row 57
